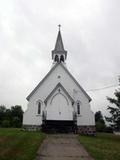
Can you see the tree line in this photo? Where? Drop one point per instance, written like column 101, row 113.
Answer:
column 11, row 117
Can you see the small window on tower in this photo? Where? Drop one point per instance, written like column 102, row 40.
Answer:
column 39, row 108
column 56, row 58
column 78, row 108
column 61, row 58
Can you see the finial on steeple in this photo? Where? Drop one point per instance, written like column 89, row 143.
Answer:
column 59, row 26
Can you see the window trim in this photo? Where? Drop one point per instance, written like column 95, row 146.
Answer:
column 39, row 108
column 78, row 108
column 39, row 102
column 78, row 102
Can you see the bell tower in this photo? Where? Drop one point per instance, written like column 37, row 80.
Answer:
column 59, row 55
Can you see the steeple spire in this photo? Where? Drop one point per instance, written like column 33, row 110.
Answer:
column 59, row 54
column 59, row 43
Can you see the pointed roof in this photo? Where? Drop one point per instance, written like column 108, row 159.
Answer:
column 64, row 90
column 59, row 47
column 53, row 68
column 59, row 43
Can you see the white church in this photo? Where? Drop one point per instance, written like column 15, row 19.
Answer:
column 58, row 102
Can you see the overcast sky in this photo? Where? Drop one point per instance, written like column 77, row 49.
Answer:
column 91, row 35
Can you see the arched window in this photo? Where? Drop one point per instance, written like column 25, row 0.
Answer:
column 39, row 107
column 56, row 58
column 61, row 58
column 78, row 108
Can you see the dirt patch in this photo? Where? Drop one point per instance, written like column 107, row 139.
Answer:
column 10, row 152
column 15, row 152
column 4, row 139
column 8, row 148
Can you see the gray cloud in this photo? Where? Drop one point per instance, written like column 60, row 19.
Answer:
column 28, row 29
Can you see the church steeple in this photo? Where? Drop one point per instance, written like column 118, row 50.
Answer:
column 59, row 54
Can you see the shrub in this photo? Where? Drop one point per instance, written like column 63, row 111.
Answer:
column 109, row 129
column 16, row 122
column 5, row 123
column 100, row 127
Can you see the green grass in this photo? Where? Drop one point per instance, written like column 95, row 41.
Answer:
column 103, row 146
column 19, row 145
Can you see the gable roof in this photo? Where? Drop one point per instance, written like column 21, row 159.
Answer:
column 57, row 86
column 89, row 98
column 53, row 68
column 39, row 84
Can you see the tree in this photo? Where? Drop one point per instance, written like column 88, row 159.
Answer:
column 16, row 122
column 99, row 117
column 100, row 123
column 5, row 123
column 11, row 117
column 8, row 115
column 17, row 113
column 114, row 110
column 2, row 113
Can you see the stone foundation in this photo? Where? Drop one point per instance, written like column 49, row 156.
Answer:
column 83, row 130
column 86, row 130
column 31, row 127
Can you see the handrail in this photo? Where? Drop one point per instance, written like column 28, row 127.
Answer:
column 74, row 116
column 44, row 115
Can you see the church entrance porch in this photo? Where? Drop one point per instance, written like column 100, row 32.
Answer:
column 59, row 106
column 58, row 126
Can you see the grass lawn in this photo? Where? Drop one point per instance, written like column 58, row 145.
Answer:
column 19, row 145
column 102, row 147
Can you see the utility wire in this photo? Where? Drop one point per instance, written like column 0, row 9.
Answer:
column 103, row 88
